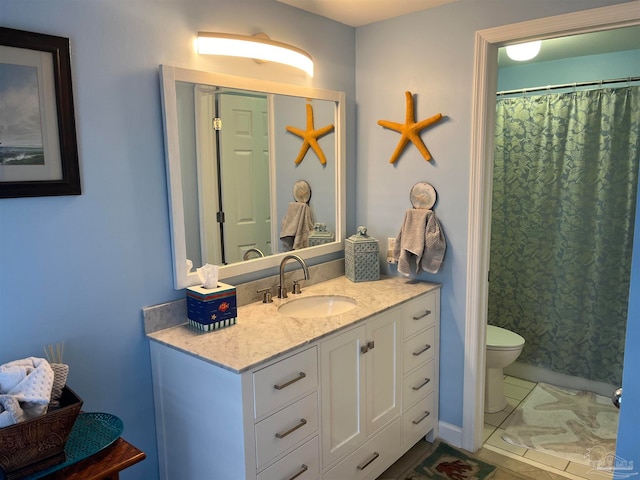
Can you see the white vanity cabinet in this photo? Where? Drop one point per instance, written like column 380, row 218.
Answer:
column 393, row 359
column 215, row 424
column 360, row 391
column 346, row 404
column 420, row 350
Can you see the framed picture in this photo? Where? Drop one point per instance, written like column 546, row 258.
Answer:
column 38, row 147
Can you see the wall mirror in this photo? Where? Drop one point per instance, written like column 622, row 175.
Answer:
column 231, row 172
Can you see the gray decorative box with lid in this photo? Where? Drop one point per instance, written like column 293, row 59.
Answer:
column 361, row 262
column 320, row 235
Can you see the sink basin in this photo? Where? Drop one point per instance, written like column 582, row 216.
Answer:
column 317, row 306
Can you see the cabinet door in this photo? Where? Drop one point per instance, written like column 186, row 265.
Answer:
column 343, row 417
column 383, row 370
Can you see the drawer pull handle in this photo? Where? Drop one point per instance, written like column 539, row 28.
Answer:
column 426, row 414
column 418, row 387
column 302, row 423
column 303, row 469
column 366, row 464
column 425, row 314
column 421, row 351
column 299, row 377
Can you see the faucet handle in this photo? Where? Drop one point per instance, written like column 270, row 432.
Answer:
column 266, row 295
column 296, row 287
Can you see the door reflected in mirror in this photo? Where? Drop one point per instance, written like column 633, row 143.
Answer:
column 233, row 176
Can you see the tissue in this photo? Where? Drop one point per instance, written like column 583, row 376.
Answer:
column 208, row 275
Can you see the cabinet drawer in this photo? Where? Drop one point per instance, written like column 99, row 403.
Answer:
column 370, row 460
column 420, row 313
column 281, row 431
column 418, row 420
column 281, row 382
column 418, row 384
column 419, row 349
column 301, row 464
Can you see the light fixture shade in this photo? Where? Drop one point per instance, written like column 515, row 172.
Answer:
column 256, row 47
column 524, row 51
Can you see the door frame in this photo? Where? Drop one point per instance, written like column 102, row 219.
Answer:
column 207, row 173
column 485, row 82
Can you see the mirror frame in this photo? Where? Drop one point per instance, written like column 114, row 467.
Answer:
column 169, row 75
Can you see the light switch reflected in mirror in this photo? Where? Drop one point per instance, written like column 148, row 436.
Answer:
column 231, row 170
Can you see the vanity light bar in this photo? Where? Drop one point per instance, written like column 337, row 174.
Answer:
column 258, row 47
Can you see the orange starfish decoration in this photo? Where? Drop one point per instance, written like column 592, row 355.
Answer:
column 410, row 130
column 310, row 137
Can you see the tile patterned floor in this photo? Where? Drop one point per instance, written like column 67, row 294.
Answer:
column 516, row 390
column 513, row 462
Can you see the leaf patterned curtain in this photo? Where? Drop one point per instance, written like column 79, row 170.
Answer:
column 564, row 194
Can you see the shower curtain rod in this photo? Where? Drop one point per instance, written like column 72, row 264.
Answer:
column 570, row 85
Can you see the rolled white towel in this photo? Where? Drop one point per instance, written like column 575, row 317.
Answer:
column 25, row 389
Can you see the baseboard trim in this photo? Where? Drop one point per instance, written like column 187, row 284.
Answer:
column 452, row 434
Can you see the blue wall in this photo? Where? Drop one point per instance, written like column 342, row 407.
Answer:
column 292, row 111
column 78, row 269
column 628, row 446
column 431, row 54
column 588, row 68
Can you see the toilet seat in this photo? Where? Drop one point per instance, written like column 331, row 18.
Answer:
column 499, row 338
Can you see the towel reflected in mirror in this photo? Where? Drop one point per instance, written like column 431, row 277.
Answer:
column 297, row 225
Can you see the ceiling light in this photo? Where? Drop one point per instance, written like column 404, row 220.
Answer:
column 524, row 51
column 258, row 47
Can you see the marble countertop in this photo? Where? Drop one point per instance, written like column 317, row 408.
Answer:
column 261, row 333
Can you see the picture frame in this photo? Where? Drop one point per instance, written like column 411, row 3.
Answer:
column 38, row 145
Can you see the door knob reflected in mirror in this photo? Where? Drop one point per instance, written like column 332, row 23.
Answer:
column 617, row 397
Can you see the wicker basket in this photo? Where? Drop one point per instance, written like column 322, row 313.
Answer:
column 36, row 444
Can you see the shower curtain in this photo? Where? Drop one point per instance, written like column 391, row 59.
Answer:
column 564, row 192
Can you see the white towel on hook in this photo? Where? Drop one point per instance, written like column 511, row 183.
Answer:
column 297, row 225
column 420, row 241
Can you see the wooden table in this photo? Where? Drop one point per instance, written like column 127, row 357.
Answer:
column 104, row 465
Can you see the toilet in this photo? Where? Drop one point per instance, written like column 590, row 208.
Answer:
column 503, row 348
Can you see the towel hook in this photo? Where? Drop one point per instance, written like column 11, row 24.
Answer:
column 423, row 195
column 302, row 191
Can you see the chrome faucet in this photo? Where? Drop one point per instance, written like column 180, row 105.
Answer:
column 282, row 290
column 248, row 253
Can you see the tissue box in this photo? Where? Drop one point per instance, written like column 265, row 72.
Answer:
column 212, row 308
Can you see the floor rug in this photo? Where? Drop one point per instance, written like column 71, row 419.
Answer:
column 448, row 463
column 576, row 425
